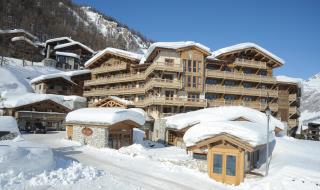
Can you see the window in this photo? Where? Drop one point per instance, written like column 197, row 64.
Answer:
column 194, row 66
column 184, row 65
column 189, row 65
column 229, row 83
column 263, row 72
column 217, row 163
column 231, row 165
column 247, row 99
column 194, row 82
column 247, row 71
column 199, row 156
column 211, row 96
column 212, row 81
column 199, row 66
column 189, row 81
column 169, row 61
column 169, row 94
column 51, row 86
column 247, row 85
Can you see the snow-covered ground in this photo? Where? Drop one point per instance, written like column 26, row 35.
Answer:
column 295, row 165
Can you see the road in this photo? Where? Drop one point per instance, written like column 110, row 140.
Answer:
column 139, row 172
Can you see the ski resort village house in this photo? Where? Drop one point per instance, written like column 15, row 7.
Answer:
column 176, row 77
column 66, row 54
column 228, row 141
column 104, row 127
column 64, row 83
column 31, row 108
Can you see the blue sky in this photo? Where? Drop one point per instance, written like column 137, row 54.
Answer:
column 288, row 28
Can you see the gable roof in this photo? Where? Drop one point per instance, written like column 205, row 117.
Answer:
column 65, row 75
column 113, row 101
column 113, row 51
column 59, row 39
column 73, row 43
column 243, row 46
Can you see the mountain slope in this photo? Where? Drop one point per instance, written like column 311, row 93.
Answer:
column 48, row 19
column 310, row 105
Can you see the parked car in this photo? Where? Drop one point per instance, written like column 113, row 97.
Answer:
column 36, row 128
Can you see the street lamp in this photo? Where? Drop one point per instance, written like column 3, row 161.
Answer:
column 268, row 113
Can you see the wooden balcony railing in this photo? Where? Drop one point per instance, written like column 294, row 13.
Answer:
column 168, row 101
column 105, row 69
column 163, row 83
column 240, row 76
column 250, row 63
column 292, row 97
column 253, row 104
column 114, row 91
column 135, row 76
column 241, row 90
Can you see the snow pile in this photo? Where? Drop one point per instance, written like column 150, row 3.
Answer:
column 66, row 75
column 104, row 116
column 16, row 100
column 172, row 45
column 243, row 46
column 114, row 51
column 220, row 114
column 9, row 123
column 251, row 132
column 23, row 156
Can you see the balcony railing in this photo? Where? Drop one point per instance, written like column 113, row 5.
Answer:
column 252, row 104
column 163, row 83
column 104, row 69
column 134, row 76
column 171, row 101
column 240, row 76
column 241, row 90
column 250, row 63
column 292, row 97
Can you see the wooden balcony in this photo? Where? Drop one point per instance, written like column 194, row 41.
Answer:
column 240, row 90
column 293, row 110
column 292, row 97
column 240, row 76
column 293, row 123
column 105, row 69
column 134, row 76
column 163, row 83
column 171, row 102
column 250, row 63
column 114, row 91
column 253, row 104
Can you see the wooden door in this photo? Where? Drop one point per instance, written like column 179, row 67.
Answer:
column 226, row 165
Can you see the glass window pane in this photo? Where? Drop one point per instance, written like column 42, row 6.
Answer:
column 231, row 165
column 217, row 163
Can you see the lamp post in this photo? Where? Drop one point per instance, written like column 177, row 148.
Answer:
column 268, row 113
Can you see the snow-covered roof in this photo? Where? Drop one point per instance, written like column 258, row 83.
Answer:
column 22, row 38
column 105, row 116
column 251, row 132
column 68, row 54
column 173, row 45
column 220, row 114
column 242, row 46
column 72, row 44
column 286, row 79
column 18, row 31
column 59, row 39
column 119, row 52
column 124, row 101
column 17, row 100
column 66, row 75
column 9, row 123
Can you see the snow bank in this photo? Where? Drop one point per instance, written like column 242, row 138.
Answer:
column 251, row 132
column 114, row 51
column 23, row 156
column 104, row 116
column 66, row 75
column 220, row 114
column 9, row 123
column 244, row 46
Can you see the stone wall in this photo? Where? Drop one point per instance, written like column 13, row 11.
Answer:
column 99, row 137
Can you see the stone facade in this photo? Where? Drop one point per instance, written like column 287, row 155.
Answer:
column 98, row 138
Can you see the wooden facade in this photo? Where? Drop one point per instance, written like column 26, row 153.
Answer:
column 229, row 158
column 48, row 112
column 179, row 80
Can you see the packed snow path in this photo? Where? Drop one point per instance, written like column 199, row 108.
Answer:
column 139, row 173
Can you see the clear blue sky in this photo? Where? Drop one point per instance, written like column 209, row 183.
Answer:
column 288, row 28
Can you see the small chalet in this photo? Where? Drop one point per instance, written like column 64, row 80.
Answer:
column 64, row 83
column 313, row 131
column 31, row 108
column 66, row 54
column 104, row 127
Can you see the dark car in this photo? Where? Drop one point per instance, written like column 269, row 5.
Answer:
column 36, row 128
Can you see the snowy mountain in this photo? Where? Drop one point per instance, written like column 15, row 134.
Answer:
column 310, row 105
